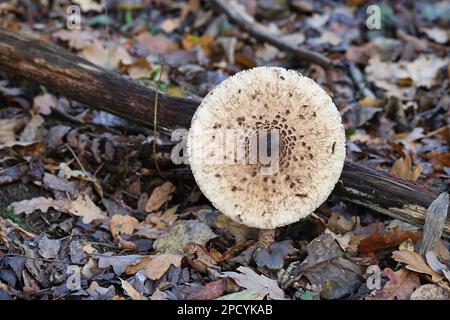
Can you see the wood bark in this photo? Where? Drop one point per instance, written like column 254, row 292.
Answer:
column 85, row 82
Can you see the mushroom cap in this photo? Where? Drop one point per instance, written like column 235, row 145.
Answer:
column 311, row 146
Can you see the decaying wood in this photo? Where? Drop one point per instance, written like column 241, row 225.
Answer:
column 434, row 223
column 388, row 195
column 256, row 32
column 74, row 77
column 101, row 89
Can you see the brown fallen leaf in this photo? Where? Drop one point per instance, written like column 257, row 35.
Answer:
column 400, row 286
column 131, row 292
column 403, row 168
column 39, row 203
column 155, row 266
column 84, row 207
column 377, row 242
column 159, row 196
column 415, row 262
column 122, row 224
column 213, row 290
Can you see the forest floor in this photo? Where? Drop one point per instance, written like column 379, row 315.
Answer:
column 85, row 214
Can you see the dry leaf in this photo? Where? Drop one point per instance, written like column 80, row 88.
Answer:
column 96, row 53
column 39, row 203
column 122, row 224
column 189, row 42
column 147, row 43
column 391, row 239
column 400, row 286
column 84, row 207
column 160, row 195
column 33, row 131
column 415, row 262
column 9, row 128
column 132, row 292
column 403, row 168
column 155, row 266
column 183, row 234
column 68, row 173
column 169, row 25
column 387, row 75
column 141, row 68
column 328, row 37
column 249, row 279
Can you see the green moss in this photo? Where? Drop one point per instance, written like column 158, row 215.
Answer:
column 8, row 213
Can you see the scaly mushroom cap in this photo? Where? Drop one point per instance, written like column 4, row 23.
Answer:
column 311, row 146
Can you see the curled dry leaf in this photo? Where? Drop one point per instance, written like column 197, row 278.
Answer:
column 415, row 262
column 403, row 168
column 159, row 196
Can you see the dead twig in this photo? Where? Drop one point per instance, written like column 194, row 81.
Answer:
column 358, row 79
column 246, row 23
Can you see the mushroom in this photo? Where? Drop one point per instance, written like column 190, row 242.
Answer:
column 306, row 149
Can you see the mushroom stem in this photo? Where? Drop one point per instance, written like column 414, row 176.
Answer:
column 266, row 238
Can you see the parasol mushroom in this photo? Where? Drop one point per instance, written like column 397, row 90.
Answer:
column 300, row 149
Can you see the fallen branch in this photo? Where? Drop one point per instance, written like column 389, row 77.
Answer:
column 88, row 83
column 80, row 80
column 258, row 33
